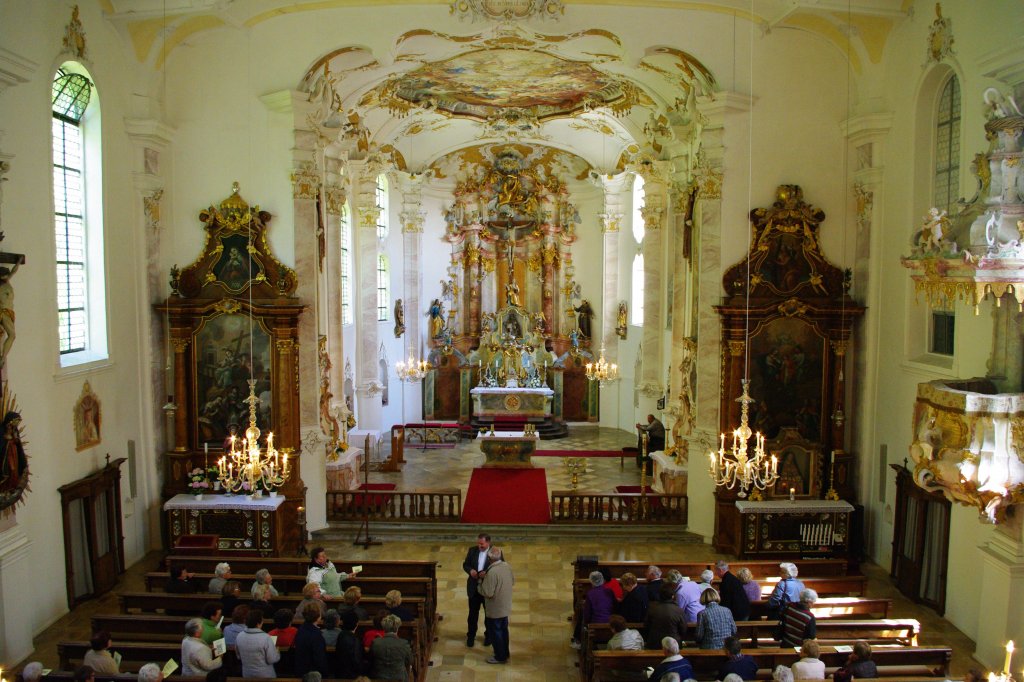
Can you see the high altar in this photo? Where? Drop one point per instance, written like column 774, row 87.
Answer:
column 510, row 340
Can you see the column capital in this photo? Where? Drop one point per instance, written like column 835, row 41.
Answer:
column 14, row 69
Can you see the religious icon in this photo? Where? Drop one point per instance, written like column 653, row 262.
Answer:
column 87, row 419
column 14, row 471
column 436, row 315
column 621, row 322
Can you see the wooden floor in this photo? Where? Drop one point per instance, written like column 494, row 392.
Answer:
column 542, row 566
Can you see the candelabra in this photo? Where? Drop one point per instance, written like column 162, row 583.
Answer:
column 602, row 371
column 737, row 467
column 247, row 468
column 412, row 370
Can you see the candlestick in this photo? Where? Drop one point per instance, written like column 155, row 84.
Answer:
column 792, row 493
column 206, row 448
column 1009, row 657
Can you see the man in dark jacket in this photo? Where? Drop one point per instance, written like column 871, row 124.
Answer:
column 309, row 648
column 635, row 603
column 349, row 662
column 475, row 566
column 734, row 597
column 664, row 619
column 653, row 584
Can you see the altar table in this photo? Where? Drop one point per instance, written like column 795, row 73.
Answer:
column 669, row 476
column 345, row 472
column 245, row 526
column 519, row 402
column 508, row 448
column 800, row 528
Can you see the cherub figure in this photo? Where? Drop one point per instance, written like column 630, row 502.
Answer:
column 930, row 238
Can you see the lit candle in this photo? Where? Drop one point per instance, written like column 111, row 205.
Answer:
column 206, row 448
column 1009, row 656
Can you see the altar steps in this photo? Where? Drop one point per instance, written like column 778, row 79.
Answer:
column 345, row 532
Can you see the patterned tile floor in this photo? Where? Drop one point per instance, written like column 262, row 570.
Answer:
column 543, row 571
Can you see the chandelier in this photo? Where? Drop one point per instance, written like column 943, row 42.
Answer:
column 737, row 466
column 247, row 468
column 412, row 370
column 602, row 371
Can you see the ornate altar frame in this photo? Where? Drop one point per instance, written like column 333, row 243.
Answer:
column 207, row 313
column 797, row 319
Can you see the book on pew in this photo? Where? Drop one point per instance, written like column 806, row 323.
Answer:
column 169, row 667
column 357, row 569
column 220, row 646
column 273, row 638
column 47, row 671
column 843, row 649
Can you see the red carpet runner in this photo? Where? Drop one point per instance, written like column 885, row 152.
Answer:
column 507, row 496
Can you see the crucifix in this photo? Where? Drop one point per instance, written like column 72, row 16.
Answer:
column 7, row 299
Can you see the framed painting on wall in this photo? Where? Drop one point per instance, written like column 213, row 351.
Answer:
column 227, row 356
column 786, row 378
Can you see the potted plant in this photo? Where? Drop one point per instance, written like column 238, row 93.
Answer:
column 213, row 476
column 198, row 483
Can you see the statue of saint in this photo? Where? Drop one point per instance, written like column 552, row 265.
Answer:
column 399, row 318
column 584, row 314
column 436, row 314
column 512, row 293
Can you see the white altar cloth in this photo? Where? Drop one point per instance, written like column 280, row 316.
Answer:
column 542, row 390
column 799, row 506
column 669, row 476
column 221, row 501
column 506, row 434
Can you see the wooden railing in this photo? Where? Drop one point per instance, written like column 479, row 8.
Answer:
column 580, row 507
column 396, row 505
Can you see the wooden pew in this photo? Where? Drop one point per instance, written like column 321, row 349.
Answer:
column 898, row 660
column 292, row 586
column 151, row 602
column 834, row 607
column 827, row 586
column 760, row 568
column 136, row 654
column 246, row 567
column 753, row 633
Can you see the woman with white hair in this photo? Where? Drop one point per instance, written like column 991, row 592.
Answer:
column 221, row 574
column 263, row 577
column 706, row 576
column 598, row 605
column 787, row 590
column 782, row 673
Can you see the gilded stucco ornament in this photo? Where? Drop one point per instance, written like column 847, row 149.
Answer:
column 507, row 10
column 151, row 208
column 708, row 178
column 940, row 37
column 306, row 181
column 74, row 35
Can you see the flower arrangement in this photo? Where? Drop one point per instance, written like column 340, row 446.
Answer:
column 198, row 484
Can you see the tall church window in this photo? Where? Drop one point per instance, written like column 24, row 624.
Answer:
column 383, row 279
column 78, row 217
column 636, row 314
column 946, row 191
column 947, row 146
column 346, row 265
column 382, row 207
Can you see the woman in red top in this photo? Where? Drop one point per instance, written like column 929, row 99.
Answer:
column 376, row 631
column 283, row 628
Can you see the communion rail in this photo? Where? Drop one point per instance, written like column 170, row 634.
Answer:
column 586, row 507
column 396, row 505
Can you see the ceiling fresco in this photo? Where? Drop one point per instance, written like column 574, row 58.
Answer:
column 480, row 83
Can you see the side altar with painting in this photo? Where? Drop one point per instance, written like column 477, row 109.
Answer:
column 787, row 325
column 231, row 468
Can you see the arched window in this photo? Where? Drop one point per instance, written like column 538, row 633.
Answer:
column 636, row 314
column 78, row 217
column 383, row 280
column 382, row 206
column 638, row 203
column 946, row 184
column 947, row 146
column 346, row 265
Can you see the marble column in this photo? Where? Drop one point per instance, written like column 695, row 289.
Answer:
column 655, row 213
column 367, row 249
column 615, row 188
column 412, row 217
column 866, row 136
column 729, row 111
column 151, row 141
